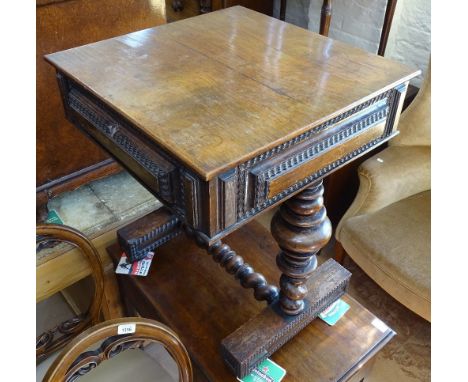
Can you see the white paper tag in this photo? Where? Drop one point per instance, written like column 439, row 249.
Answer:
column 379, row 325
column 138, row 268
column 126, row 329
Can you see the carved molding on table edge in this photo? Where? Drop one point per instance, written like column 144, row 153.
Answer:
column 393, row 97
column 182, row 190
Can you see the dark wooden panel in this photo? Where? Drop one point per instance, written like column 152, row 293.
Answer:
column 262, row 6
column 191, row 192
column 341, row 186
column 190, row 8
column 286, row 180
column 228, row 199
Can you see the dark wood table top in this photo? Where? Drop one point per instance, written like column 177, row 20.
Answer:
column 192, row 294
column 218, row 89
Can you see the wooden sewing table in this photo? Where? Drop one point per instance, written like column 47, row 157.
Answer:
column 226, row 115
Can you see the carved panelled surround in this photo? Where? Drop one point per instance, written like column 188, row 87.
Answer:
column 252, row 186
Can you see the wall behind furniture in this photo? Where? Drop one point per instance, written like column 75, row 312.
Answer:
column 359, row 22
column 410, row 36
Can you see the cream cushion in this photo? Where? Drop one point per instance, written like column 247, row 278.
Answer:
column 392, row 246
column 386, row 230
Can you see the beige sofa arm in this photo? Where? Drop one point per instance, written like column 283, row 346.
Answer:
column 389, row 176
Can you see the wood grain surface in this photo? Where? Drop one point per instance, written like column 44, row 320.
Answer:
column 218, row 89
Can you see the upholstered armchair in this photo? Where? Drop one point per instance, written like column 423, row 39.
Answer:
column 386, row 231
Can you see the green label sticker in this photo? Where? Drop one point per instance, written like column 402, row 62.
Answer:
column 53, row 218
column 334, row 312
column 267, row 371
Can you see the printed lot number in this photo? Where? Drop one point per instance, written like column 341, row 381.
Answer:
column 126, row 329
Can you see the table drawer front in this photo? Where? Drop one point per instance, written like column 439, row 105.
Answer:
column 218, row 206
column 144, row 161
column 172, row 183
column 282, row 171
column 315, row 154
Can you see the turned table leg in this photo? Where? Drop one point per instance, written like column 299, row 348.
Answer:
column 235, row 265
column 301, row 228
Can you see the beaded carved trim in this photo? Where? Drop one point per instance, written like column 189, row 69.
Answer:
column 314, row 150
column 243, row 210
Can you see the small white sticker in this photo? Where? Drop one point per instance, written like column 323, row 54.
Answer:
column 380, row 160
column 379, row 325
column 126, row 329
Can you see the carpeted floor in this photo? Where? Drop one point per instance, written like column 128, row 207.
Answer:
column 407, row 357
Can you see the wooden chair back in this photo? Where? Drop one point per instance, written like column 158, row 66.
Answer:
column 54, row 339
column 77, row 360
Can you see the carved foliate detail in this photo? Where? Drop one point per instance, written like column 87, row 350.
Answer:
column 111, row 347
column 301, row 228
column 49, row 341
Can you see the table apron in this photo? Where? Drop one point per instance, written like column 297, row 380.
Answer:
column 220, row 205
